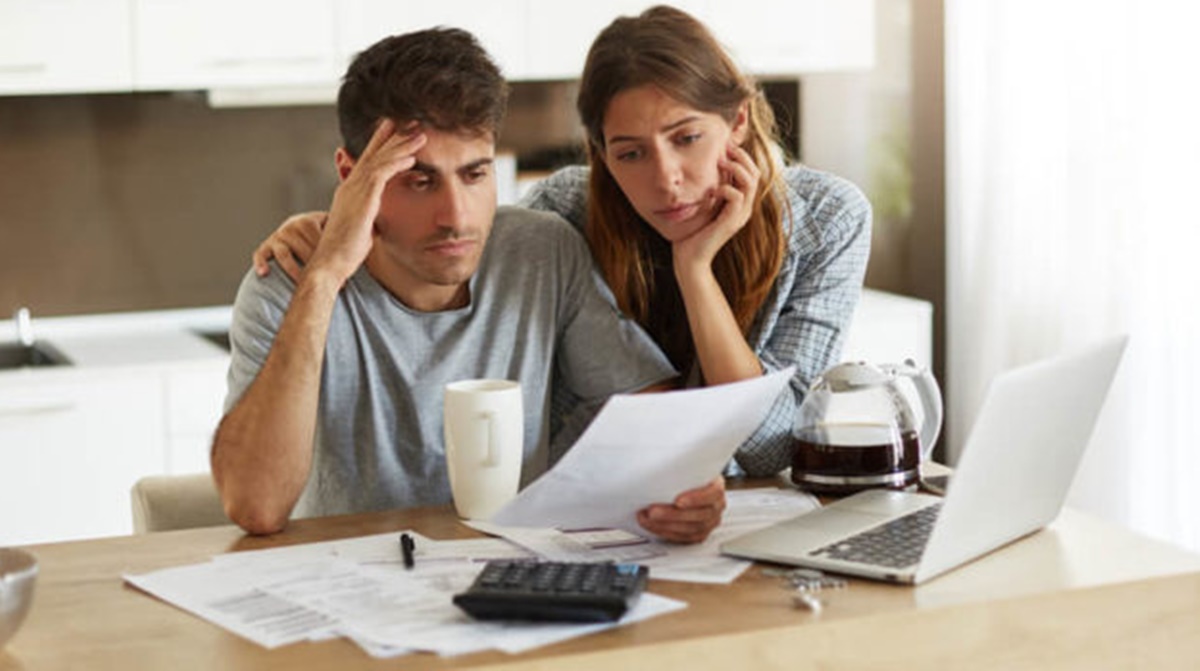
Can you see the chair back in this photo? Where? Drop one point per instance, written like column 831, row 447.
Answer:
column 167, row 502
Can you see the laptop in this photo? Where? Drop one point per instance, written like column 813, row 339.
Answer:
column 1011, row 480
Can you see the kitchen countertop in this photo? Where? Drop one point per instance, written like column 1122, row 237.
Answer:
column 129, row 338
column 137, row 348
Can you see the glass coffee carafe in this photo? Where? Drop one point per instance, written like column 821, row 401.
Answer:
column 864, row 426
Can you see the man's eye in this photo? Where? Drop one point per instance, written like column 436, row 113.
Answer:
column 476, row 175
column 420, row 184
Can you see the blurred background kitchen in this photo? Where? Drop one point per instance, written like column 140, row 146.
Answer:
column 1028, row 164
column 149, row 199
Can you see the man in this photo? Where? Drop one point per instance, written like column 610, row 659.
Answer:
column 336, row 380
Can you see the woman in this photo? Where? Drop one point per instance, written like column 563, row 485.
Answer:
column 735, row 264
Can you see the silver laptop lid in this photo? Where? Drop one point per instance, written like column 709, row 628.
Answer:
column 1022, row 454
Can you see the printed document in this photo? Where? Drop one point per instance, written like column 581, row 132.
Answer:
column 643, row 449
column 359, row 588
column 352, row 588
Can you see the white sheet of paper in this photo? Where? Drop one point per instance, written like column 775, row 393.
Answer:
column 643, row 449
column 240, row 598
column 615, row 545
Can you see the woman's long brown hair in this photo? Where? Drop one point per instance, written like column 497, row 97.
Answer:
column 669, row 49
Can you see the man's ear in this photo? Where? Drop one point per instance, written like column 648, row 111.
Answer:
column 344, row 163
column 741, row 124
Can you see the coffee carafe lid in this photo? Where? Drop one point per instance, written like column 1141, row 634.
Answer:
column 854, row 375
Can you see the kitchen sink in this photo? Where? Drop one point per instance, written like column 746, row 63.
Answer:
column 38, row 355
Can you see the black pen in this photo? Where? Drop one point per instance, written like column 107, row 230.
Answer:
column 406, row 548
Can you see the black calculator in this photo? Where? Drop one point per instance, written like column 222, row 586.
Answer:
column 553, row 591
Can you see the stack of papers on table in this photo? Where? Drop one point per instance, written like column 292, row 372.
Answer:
column 639, row 450
column 359, row 588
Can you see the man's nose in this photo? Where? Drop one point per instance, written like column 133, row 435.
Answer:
column 452, row 210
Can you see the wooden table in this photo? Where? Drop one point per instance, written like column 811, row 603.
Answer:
column 1081, row 594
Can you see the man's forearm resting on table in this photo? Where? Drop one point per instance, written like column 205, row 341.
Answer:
column 262, row 452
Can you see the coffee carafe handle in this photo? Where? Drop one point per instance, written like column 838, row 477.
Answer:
column 931, row 401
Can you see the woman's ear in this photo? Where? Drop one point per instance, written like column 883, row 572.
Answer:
column 741, row 124
column 344, row 163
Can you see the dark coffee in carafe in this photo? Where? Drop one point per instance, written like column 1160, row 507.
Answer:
column 846, row 458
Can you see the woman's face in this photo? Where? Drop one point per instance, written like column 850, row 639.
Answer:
column 664, row 155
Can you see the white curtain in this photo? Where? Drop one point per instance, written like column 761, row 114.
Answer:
column 1073, row 204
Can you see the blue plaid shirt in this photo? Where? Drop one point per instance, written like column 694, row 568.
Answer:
column 804, row 321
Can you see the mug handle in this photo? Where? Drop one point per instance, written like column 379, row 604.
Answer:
column 492, row 455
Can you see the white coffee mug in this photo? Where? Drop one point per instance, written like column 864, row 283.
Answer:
column 485, row 437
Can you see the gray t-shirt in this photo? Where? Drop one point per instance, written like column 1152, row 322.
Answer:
column 538, row 314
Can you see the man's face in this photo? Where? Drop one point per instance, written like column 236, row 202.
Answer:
column 434, row 220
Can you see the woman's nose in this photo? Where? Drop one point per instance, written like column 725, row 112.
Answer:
column 668, row 171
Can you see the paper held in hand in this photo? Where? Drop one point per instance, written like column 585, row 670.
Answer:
column 643, row 449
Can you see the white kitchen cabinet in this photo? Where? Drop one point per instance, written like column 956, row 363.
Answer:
column 72, row 443
column 791, row 37
column 181, row 44
column 499, row 26
column 561, row 32
column 549, row 39
column 193, row 397
column 65, row 46
column 262, row 50
column 141, row 397
column 765, row 37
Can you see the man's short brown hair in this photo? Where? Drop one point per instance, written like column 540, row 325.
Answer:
column 440, row 77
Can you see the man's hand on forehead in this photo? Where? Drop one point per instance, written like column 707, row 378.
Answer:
column 349, row 232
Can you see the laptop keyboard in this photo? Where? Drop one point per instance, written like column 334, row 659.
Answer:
column 895, row 544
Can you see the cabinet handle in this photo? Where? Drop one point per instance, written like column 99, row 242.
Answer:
column 47, row 408
column 22, row 68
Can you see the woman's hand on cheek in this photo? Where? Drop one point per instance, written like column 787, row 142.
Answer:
column 733, row 203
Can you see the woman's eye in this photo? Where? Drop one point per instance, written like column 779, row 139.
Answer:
column 689, row 138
